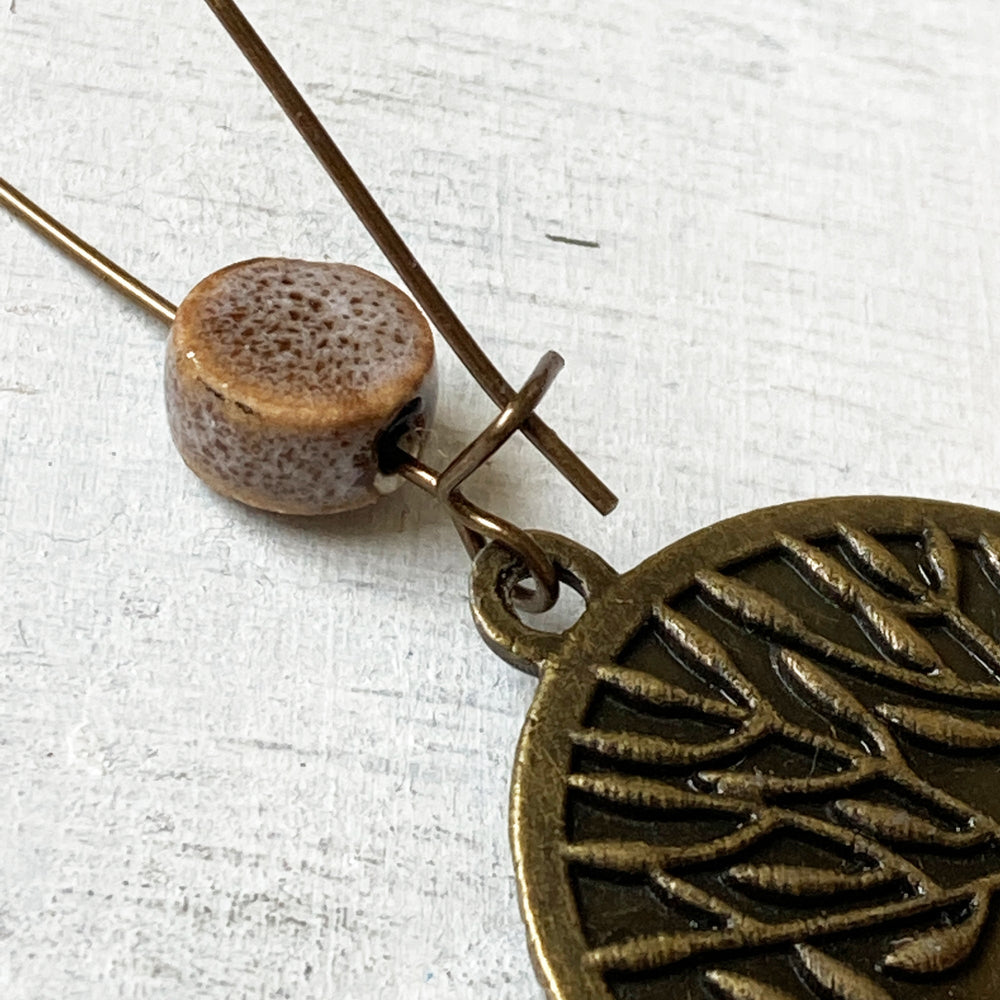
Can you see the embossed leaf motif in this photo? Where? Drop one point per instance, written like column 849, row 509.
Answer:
column 941, row 728
column 657, row 692
column 879, row 562
column 989, row 546
column 838, row 979
column 733, row 986
column 802, row 880
column 894, row 636
column 830, row 695
column 752, row 606
column 942, row 559
column 941, row 948
column 898, row 826
column 899, row 640
column 872, row 878
column 705, row 652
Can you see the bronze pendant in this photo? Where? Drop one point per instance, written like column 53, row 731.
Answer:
column 763, row 764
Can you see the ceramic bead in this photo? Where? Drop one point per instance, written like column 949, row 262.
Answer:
column 283, row 375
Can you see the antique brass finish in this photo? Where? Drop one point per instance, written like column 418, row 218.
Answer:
column 763, row 764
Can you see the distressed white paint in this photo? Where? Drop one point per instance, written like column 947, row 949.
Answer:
column 248, row 757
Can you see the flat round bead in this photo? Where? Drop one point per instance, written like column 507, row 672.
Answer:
column 282, row 375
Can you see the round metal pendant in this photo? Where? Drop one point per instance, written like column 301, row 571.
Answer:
column 763, row 765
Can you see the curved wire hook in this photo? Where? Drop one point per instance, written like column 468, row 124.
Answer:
column 477, row 526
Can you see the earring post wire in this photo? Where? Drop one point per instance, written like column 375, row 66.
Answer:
column 83, row 253
column 474, row 524
column 398, row 253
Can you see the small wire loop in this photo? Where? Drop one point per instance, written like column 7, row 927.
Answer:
column 475, row 525
column 506, row 424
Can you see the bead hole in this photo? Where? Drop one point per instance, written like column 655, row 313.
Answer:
column 403, row 437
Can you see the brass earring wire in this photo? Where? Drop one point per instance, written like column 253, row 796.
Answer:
column 476, row 526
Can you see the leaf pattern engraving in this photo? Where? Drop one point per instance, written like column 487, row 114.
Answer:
column 838, row 979
column 655, row 691
column 901, row 827
column 879, row 562
column 801, row 880
column 733, row 986
column 989, row 546
column 941, row 728
column 832, row 696
column 942, row 559
column 941, row 948
column 850, row 707
column 897, row 639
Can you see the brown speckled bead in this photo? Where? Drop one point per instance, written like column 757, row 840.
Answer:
column 281, row 376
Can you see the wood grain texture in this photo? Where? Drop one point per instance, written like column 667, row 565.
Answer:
column 247, row 756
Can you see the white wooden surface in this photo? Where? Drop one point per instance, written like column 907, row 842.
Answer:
column 252, row 757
